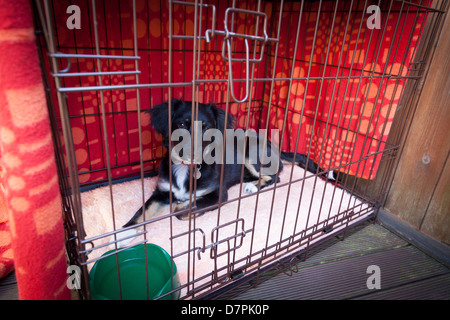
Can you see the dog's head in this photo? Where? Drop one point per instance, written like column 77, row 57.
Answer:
column 209, row 116
column 181, row 115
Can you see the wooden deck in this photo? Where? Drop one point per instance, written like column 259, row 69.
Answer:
column 340, row 271
column 8, row 288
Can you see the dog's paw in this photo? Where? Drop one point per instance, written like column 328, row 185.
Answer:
column 123, row 238
column 250, row 188
column 186, row 216
column 185, row 206
column 331, row 176
column 181, row 206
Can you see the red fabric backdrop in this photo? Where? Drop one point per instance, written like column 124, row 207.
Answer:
column 348, row 118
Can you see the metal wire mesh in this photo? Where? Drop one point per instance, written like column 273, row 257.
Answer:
column 329, row 75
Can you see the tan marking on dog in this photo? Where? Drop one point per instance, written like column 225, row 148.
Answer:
column 264, row 179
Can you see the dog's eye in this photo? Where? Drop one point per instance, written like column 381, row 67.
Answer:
column 181, row 125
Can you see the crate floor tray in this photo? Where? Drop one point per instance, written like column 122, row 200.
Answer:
column 214, row 246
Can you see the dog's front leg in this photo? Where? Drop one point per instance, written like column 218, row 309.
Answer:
column 158, row 202
column 206, row 200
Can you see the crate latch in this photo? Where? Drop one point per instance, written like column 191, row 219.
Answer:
column 258, row 38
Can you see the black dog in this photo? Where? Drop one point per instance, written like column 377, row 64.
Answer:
column 207, row 175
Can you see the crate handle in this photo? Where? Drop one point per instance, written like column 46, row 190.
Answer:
column 230, row 71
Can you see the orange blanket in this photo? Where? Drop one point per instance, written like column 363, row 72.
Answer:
column 29, row 180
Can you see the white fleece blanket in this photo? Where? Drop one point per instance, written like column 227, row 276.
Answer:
column 271, row 223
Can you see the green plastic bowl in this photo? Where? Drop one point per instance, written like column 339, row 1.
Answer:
column 104, row 284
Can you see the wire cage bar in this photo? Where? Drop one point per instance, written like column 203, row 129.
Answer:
column 328, row 80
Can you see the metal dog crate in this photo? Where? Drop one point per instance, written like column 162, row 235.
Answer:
column 329, row 75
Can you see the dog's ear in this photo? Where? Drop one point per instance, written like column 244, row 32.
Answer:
column 160, row 116
column 219, row 115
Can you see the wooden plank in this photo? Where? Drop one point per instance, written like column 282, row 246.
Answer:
column 8, row 288
column 9, row 292
column 346, row 279
column 434, row 248
column 9, row 279
column 371, row 238
column 437, row 217
column 420, row 290
column 427, row 146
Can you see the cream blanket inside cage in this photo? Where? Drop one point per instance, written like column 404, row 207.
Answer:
column 319, row 201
